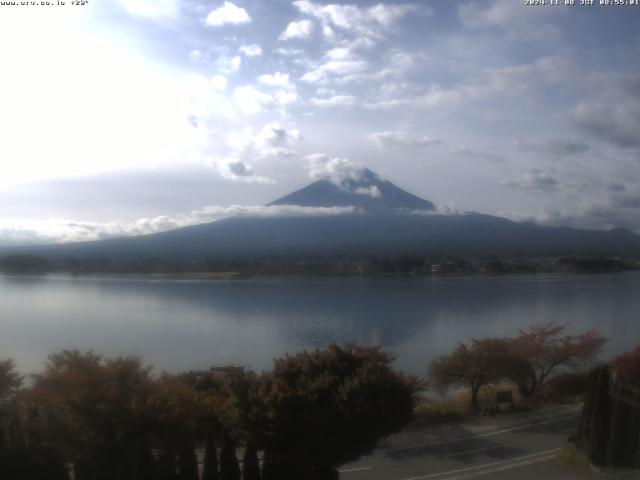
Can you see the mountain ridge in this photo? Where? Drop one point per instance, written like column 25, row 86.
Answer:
column 367, row 191
column 393, row 222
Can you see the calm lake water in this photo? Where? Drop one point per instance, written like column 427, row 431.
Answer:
column 179, row 325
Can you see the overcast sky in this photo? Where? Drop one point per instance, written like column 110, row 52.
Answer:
column 131, row 116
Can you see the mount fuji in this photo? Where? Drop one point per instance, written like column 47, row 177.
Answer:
column 360, row 214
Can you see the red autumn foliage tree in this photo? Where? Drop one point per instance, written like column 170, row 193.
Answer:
column 627, row 366
column 96, row 408
column 543, row 349
column 484, row 361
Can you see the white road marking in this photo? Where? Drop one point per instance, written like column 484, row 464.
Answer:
column 469, row 452
column 481, row 435
column 502, row 469
column 512, row 461
column 358, row 469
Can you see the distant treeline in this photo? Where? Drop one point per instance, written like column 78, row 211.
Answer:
column 397, row 265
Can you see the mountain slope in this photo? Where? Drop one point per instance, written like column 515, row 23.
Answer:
column 368, row 191
column 357, row 234
column 389, row 222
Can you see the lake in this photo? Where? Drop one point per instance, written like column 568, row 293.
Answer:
column 179, row 325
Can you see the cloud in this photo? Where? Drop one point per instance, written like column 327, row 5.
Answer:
column 339, row 170
column 228, row 65
column 249, row 100
column 218, row 82
column 372, row 191
column 247, row 147
column 402, row 139
column 553, row 147
column 275, row 135
column 252, row 50
column 368, row 22
column 239, row 171
column 300, row 29
column 537, row 180
column 286, row 97
column 615, row 123
column 617, row 210
column 439, row 210
column 153, row 9
column 334, row 101
column 528, row 81
column 65, row 231
column 474, row 153
column 196, row 55
column 277, row 79
column 510, row 16
column 616, row 187
column 341, row 70
column 227, row 14
column 289, row 52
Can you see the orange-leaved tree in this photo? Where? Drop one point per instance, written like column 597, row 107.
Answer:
column 627, row 366
column 544, row 349
column 482, row 362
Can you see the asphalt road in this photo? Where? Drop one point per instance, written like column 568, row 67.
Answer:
column 521, row 446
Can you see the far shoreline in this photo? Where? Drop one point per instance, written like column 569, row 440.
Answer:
column 240, row 276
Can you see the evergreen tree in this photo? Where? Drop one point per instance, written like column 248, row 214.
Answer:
column 598, row 428
column 82, row 470
column 269, row 470
column 145, row 464
column 187, row 463
column 250, row 464
column 229, row 468
column 167, row 465
column 274, row 469
column 210, row 471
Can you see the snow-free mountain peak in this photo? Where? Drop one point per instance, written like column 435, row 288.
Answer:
column 366, row 191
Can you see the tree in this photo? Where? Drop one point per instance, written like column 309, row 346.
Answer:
column 187, row 463
column 250, row 464
column 210, row 468
column 96, row 410
column 10, row 383
column 10, row 380
column 483, row 362
column 328, row 407
column 543, row 349
column 23, row 264
column 229, row 468
column 627, row 366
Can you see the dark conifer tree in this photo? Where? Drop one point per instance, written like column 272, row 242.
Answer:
column 145, row 464
column 229, row 468
column 187, row 463
column 210, row 470
column 250, row 464
column 167, row 465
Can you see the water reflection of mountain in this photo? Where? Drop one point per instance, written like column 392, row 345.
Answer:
column 396, row 312
column 179, row 324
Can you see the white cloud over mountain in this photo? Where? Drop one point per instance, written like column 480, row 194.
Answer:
column 62, row 231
